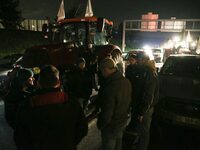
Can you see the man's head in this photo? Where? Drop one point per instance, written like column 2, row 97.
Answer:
column 25, row 77
column 49, row 77
column 132, row 59
column 107, row 67
column 81, row 63
column 142, row 58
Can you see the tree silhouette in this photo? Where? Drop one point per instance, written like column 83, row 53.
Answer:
column 10, row 16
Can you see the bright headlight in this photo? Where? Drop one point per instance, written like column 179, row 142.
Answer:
column 193, row 44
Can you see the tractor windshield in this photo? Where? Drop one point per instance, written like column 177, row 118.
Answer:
column 97, row 38
column 80, row 33
column 73, row 33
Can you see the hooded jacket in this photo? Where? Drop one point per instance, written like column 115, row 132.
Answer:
column 79, row 83
column 50, row 120
column 114, row 101
column 147, row 88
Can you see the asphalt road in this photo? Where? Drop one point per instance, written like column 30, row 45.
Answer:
column 163, row 137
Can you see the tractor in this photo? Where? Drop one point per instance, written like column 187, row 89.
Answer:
column 87, row 37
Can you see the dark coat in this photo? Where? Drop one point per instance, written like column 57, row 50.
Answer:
column 13, row 100
column 132, row 73
column 114, row 101
column 145, row 84
column 49, row 121
column 79, row 83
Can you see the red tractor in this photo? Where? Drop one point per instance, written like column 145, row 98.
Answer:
column 70, row 39
column 86, row 37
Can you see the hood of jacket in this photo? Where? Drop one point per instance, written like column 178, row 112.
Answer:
column 150, row 64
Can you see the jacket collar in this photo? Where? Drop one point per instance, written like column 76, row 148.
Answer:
column 48, row 97
column 47, row 90
column 114, row 76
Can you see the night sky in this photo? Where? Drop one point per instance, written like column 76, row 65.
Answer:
column 117, row 10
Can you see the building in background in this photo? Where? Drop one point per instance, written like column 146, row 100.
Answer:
column 31, row 24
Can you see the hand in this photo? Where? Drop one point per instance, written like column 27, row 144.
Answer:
column 140, row 119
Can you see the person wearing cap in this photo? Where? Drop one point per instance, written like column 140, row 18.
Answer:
column 145, row 96
column 79, row 82
column 131, row 70
column 132, row 73
column 18, row 92
column 50, row 119
column 114, row 100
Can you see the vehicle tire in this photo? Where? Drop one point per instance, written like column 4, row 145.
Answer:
column 117, row 57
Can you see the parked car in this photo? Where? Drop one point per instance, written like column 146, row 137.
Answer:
column 158, row 54
column 179, row 102
column 9, row 60
column 140, row 51
column 135, row 51
column 7, row 64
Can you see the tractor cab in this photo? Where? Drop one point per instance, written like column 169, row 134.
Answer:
column 82, row 32
column 70, row 39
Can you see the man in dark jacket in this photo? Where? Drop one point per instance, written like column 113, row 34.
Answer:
column 50, row 120
column 145, row 96
column 114, row 101
column 131, row 73
column 19, row 90
column 79, row 82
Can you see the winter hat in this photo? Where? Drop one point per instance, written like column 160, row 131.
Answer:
column 107, row 63
column 23, row 75
column 133, row 56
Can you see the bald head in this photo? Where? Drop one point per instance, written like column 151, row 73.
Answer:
column 107, row 67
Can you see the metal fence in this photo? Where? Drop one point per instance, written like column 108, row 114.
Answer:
column 163, row 25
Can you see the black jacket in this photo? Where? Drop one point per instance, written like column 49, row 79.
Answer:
column 145, row 88
column 114, row 101
column 49, row 121
column 13, row 100
column 132, row 73
column 79, row 83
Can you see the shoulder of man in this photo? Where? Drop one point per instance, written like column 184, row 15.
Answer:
column 45, row 97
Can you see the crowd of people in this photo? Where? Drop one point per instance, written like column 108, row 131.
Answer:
column 47, row 114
